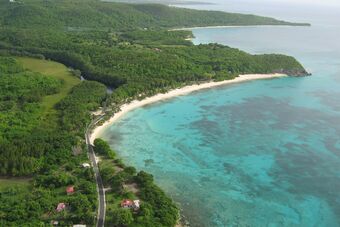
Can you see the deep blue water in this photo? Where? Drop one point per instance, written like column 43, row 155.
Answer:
column 260, row 153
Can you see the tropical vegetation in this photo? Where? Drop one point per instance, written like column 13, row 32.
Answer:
column 45, row 107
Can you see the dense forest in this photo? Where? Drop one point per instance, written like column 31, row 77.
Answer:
column 111, row 43
column 44, row 149
column 137, row 63
column 128, row 48
column 23, row 119
column 90, row 14
column 20, row 95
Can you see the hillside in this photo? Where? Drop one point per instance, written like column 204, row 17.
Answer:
column 137, row 62
column 45, row 108
column 36, row 145
column 164, row 2
column 48, row 150
column 89, row 14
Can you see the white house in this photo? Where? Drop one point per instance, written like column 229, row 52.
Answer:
column 86, row 165
column 136, row 204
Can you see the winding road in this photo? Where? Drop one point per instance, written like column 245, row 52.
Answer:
column 98, row 178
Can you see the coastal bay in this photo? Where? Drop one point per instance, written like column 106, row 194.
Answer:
column 96, row 132
column 260, row 153
column 206, row 120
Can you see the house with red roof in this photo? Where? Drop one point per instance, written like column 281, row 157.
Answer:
column 127, row 203
column 70, row 190
column 61, row 207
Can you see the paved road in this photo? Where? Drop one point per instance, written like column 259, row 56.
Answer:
column 99, row 181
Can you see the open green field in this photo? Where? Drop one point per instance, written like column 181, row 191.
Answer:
column 12, row 182
column 56, row 70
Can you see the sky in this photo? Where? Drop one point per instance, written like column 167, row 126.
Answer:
column 295, row 2
column 310, row 11
column 319, row 2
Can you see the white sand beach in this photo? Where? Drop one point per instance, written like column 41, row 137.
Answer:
column 173, row 93
column 226, row 26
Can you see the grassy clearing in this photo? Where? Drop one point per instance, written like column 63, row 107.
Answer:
column 14, row 182
column 56, row 70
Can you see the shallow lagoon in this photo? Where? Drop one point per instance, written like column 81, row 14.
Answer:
column 260, row 153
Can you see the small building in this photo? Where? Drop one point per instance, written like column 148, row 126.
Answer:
column 136, row 204
column 61, row 207
column 127, row 203
column 55, row 222
column 70, row 190
column 86, row 165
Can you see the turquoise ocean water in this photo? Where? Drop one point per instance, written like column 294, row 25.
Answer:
column 260, row 153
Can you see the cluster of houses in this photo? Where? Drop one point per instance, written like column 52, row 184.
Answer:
column 125, row 203
column 62, row 206
column 69, row 191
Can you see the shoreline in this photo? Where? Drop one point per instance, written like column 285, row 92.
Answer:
column 125, row 108
column 228, row 26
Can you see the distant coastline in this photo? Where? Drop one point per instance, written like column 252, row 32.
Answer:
column 166, row 2
column 189, row 3
column 97, row 131
column 231, row 26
